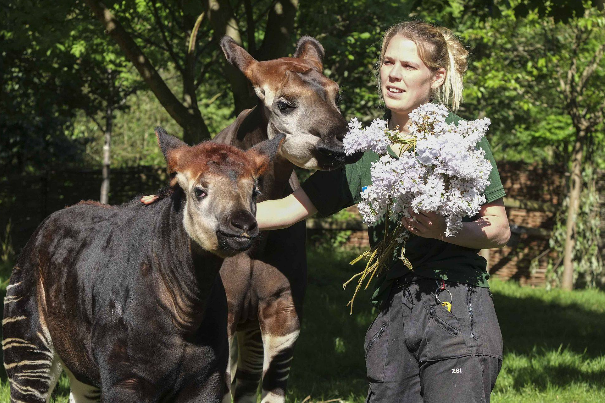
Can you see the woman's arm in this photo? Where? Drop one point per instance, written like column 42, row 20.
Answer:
column 490, row 230
column 282, row 213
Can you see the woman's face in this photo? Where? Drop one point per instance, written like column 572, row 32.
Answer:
column 405, row 80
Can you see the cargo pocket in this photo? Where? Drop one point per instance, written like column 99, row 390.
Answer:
column 376, row 347
column 445, row 334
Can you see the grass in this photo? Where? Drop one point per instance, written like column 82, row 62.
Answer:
column 554, row 341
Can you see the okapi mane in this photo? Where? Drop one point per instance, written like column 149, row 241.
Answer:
column 214, row 157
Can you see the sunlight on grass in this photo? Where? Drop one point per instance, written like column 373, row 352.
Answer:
column 554, row 341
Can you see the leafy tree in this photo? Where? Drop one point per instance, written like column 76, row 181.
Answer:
column 544, row 85
column 108, row 83
column 351, row 33
column 169, row 31
column 39, row 88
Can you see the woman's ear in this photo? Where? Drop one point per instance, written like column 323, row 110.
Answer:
column 438, row 78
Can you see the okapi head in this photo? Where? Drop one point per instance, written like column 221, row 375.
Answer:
column 219, row 183
column 299, row 101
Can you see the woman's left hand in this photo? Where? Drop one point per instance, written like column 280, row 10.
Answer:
column 425, row 224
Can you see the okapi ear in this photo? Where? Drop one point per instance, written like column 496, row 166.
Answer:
column 263, row 153
column 167, row 142
column 237, row 56
column 310, row 49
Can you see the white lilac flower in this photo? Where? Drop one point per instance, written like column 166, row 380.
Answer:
column 446, row 174
column 372, row 138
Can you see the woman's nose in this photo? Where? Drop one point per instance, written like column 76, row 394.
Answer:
column 395, row 73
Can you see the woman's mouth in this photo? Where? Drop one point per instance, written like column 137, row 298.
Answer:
column 394, row 91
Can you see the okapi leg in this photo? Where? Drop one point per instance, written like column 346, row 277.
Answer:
column 81, row 392
column 31, row 364
column 280, row 329
column 249, row 365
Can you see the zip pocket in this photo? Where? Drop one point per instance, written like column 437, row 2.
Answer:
column 449, row 328
column 375, row 337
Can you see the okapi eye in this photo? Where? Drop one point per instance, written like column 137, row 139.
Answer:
column 200, row 193
column 256, row 192
column 284, row 106
column 338, row 99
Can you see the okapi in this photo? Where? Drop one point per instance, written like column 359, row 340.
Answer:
column 116, row 295
column 265, row 287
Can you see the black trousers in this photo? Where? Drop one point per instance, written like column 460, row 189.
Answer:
column 418, row 351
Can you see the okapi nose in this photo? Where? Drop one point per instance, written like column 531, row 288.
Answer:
column 245, row 222
column 331, row 153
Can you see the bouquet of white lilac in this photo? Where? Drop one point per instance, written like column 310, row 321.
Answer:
column 439, row 169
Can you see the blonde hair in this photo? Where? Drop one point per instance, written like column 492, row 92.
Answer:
column 437, row 48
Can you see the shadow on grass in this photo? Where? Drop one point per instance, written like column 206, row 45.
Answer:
column 329, row 357
column 528, row 322
column 559, row 375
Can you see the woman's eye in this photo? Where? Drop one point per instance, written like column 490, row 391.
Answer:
column 284, row 106
column 200, row 193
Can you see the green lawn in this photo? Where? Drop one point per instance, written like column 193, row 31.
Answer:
column 554, row 341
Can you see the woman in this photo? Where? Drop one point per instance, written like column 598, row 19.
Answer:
column 436, row 338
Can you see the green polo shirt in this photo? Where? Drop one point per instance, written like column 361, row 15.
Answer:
column 331, row 191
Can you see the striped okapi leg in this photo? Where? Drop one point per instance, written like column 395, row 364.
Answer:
column 31, row 364
column 249, row 365
column 280, row 329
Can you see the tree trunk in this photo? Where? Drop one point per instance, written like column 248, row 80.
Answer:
column 106, row 154
column 278, row 34
column 572, row 210
column 223, row 22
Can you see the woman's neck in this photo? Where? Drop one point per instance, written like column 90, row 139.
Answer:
column 399, row 122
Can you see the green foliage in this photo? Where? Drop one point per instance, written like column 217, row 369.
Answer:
column 351, row 33
column 39, row 87
column 520, row 58
column 587, row 262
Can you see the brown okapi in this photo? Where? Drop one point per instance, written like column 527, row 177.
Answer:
column 116, row 295
column 265, row 287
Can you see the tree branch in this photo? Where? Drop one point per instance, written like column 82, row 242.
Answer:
column 250, row 28
column 204, row 69
column 280, row 25
column 591, row 67
column 160, row 26
column 221, row 18
column 175, row 19
column 99, row 126
column 151, row 77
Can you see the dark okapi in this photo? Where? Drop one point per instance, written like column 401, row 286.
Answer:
column 116, row 295
column 265, row 287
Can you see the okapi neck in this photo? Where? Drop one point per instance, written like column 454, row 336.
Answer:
column 186, row 271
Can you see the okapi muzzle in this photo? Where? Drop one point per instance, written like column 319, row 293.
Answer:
column 238, row 232
column 298, row 101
